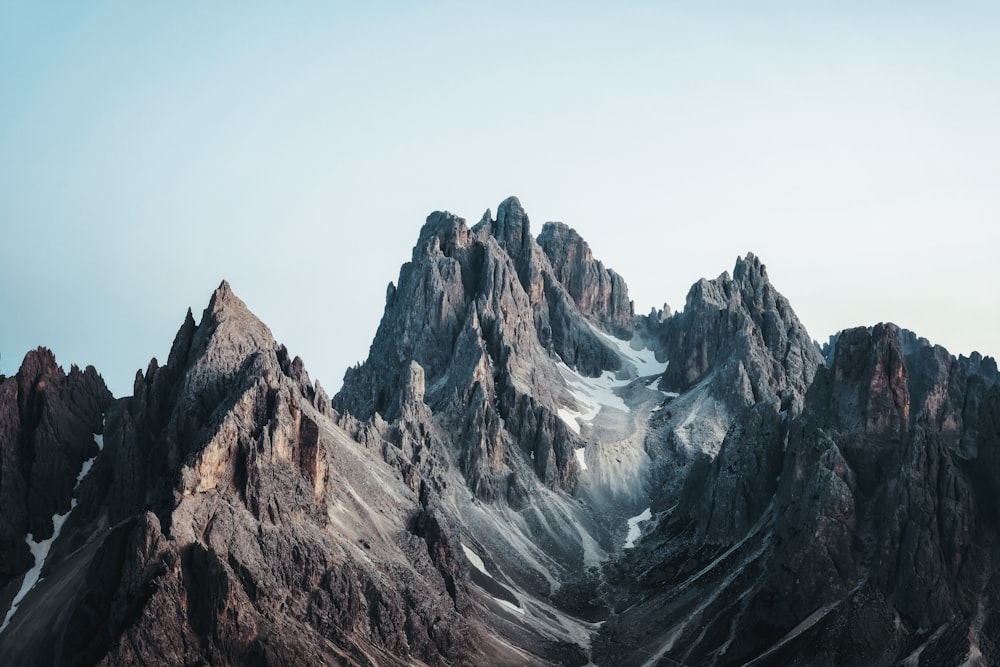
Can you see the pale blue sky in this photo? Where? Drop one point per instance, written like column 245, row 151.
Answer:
column 149, row 151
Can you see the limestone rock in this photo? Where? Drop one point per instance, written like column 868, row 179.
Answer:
column 464, row 499
column 741, row 321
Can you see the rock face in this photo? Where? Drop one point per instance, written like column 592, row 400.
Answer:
column 463, row 500
column 483, row 374
column 744, row 331
column 48, row 421
column 599, row 293
column 483, row 313
column 860, row 532
column 736, row 344
column 229, row 520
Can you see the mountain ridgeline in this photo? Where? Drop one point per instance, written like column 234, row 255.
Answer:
column 522, row 472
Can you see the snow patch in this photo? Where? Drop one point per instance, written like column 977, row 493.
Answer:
column 580, row 451
column 40, row 549
column 89, row 463
column 644, row 360
column 476, row 561
column 633, row 527
column 509, row 605
column 591, row 394
column 569, row 417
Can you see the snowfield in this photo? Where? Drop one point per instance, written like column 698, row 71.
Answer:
column 594, row 394
column 633, row 527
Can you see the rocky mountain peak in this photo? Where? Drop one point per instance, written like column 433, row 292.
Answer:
column 512, row 229
column 37, row 365
column 735, row 321
column 223, row 297
column 869, row 382
column 477, row 497
column 486, row 317
column 889, row 380
column 445, row 232
column 226, row 337
column 736, row 344
column 599, row 293
column 850, row 534
column 750, row 270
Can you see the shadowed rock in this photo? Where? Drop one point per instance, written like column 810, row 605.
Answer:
column 48, row 420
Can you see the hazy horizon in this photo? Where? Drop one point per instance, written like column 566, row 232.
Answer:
column 151, row 152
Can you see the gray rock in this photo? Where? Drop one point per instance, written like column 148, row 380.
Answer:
column 812, row 507
column 483, row 313
column 736, row 344
column 237, row 524
column 743, row 330
column 599, row 293
column 872, row 545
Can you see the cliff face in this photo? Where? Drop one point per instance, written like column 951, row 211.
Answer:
column 599, row 293
column 744, row 331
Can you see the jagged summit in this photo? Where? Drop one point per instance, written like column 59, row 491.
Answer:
column 736, row 344
column 599, row 293
column 743, row 320
column 223, row 298
column 750, row 268
column 511, row 229
column 485, row 306
column 225, row 308
column 48, row 419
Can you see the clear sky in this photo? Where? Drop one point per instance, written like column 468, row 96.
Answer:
column 149, row 150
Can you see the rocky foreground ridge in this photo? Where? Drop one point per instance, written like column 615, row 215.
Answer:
column 522, row 472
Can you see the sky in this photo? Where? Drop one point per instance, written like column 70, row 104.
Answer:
column 150, row 150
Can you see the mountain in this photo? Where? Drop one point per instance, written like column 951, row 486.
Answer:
column 862, row 532
column 522, row 472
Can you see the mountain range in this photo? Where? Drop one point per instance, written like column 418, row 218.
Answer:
column 523, row 471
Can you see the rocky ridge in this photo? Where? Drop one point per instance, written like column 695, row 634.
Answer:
column 736, row 344
column 853, row 534
column 230, row 520
column 462, row 500
column 485, row 317
column 491, row 371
